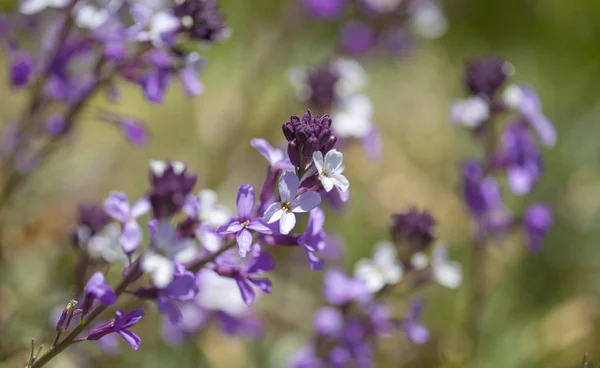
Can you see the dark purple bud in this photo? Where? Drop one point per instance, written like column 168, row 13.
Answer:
column 171, row 183
column 21, row 69
column 55, row 126
column 484, row 76
column 187, row 228
column 329, row 145
column 413, row 228
column 288, row 131
column 322, row 81
column 310, row 146
column 293, row 153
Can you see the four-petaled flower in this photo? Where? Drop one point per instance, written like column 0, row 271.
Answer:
column 330, row 170
column 290, row 203
column 383, row 269
column 240, row 225
column 120, row 325
column 118, row 207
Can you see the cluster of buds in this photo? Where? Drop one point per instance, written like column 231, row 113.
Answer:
column 306, row 136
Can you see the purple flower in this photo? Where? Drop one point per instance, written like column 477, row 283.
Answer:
column 415, row 331
column 521, row 158
column 328, row 321
column 117, row 206
column 313, row 239
column 240, row 225
column 357, row 38
column 134, row 131
column 97, row 289
column 325, row 9
column 339, row 289
column 537, row 220
column 526, row 101
column 290, row 203
column 485, row 76
column 120, row 324
column 171, row 184
column 182, row 288
column 158, row 27
column 21, row 69
column 307, row 135
column 259, row 262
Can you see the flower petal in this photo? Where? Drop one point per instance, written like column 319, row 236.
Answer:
column 273, row 213
column 287, row 222
column 339, row 181
column 288, row 186
column 244, row 242
column 233, row 227
column 262, row 263
column 259, row 226
column 306, row 201
column 131, row 237
column 367, row 271
column 246, row 290
column 117, row 206
column 327, row 183
column 318, row 160
column 132, row 339
column 263, row 284
column 245, row 201
column 141, row 208
column 333, row 161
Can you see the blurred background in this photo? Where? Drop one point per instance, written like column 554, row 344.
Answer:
column 542, row 310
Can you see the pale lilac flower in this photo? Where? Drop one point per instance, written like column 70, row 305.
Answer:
column 245, row 277
column 428, row 20
column 211, row 212
column 117, row 206
column 120, row 324
column 330, row 170
column 339, row 288
column 275, row 157
column 245, row 221
column 189, row 74
column 471, row 112
column 383, row 269
column 89, row 16
column 526, row 101
column 97, row 289
column 447, row 273
column 415, row 331
column 537, row 221
column 313, row 239
column 105, row 245
column 291, row 203
column 29, row 7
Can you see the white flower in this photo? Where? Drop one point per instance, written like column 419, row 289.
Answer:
column 353, row 117
column 446, row 273
column 470, row 112
column 383, row 269
column 29, row 7
column 220, row 294
column 330, row 170
column 152, row 26
column 91, row 17
column 429, row 21
column 353, row 77
column 211, row 212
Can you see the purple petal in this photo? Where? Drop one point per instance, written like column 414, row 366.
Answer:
column 314, row 262
column 246, row 290
column 244, row 242
column 130, row 318
column 117, row 206
column 544, row 129
column 288, row 186
column 131, row 237
column 165, row 306
column 373, row 145
column 416, row 332
column 134, row 131
column 182, row 288
column 245, row 201
column 306, row 201
column 328, row 321
column 132, row 339
column 259, row 226
column 263, row 284
column 262, row 145
column 262, row 263
column 233, row 227
column 140, row 208
column 192, row 85
column 520, row 179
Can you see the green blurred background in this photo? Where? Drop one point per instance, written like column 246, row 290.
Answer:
column 542, row 310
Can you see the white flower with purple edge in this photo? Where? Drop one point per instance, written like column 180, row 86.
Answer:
column 117, row 206
column 291, row 203
column 329, row 169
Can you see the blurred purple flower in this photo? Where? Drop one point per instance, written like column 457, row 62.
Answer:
column 484, row 76
column 171, row 184
column 339, row 288
column 537, row 221
column 120, row 324
column 134, row 131
column 97, row 289
column 411, row 326
column 357, row 38
column 325, row 9
column 313, row 239
column 117, row 206
column 22, row 67
column 521, row 158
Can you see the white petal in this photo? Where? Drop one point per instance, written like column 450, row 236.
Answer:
column 141, row 208
column 160, row 267
column 333, row 161
column 158, row 167
column 448, row 274
column 353, row 77
column 368, row 272
column 58, row 3
column 513, row 96
column 419, row 260
column 384, row 254
column 288, row 186
column 327, row 183
column 287, row 222
column 318, row 160
column 393, row 273
column 33, row 6
column 273, row 213
column 340, row 181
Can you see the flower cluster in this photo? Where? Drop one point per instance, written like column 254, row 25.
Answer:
column 506, row 119
column 391, row 24
column 347, row 330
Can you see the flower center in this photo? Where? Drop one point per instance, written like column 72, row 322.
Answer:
column 245, row 223
column 286, row 206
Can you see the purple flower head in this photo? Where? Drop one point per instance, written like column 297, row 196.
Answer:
column 182, row 288
column 313, row 239
column 245, row 221
column 415, row 228
column 120, row 324
column 524, row 99
column 521, row 158
column 484, row 76
column 201, row 20
column 259, row 263
column 117, row 206
column 325, row 9
column 322, row 80
column 97, row 289
column 357, row 38
column 291, row 203
column 171, row 184
column 411, row 326
column 134, row 131
column 537, row 220
column 307, row 135
column 21, row 69
column 339, row 288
